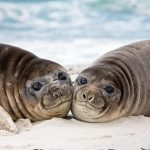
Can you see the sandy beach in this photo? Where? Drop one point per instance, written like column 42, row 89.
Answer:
column 132, row 133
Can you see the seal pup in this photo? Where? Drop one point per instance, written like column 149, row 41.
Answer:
column 115, row 85
column 31, row 87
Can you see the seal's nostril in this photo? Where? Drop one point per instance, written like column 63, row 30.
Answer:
column 91, row 99
column 55, row 95
column 83, row 96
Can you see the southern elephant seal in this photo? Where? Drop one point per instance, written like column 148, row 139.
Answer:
column 115, row 85
column 31, row 87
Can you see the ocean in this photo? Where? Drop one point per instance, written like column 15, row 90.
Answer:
column 73, row 31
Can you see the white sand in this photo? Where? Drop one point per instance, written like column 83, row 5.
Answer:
column 132, row 133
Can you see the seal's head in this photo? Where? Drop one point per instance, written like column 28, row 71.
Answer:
column 46, row 89
column 96, row 95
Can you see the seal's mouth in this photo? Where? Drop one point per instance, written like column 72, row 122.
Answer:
column 92, row 107
column 49, row 103
column 56, row 96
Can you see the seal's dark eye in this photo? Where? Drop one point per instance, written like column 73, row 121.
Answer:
column 109, row 89
column 62, row 76
column 37, row 86
column 83, row 81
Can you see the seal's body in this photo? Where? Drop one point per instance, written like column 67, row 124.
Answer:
column 115, row 85
column 31, row 87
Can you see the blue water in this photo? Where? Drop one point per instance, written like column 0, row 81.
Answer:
column 72, row 19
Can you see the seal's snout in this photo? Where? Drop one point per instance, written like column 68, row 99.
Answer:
column 52, row 96
column 88, row 97
column 57, row 94
column 94, row 99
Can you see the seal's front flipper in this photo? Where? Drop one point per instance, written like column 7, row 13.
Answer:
column 6, row 122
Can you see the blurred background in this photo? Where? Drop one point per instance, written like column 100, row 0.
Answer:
column 73, row 32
